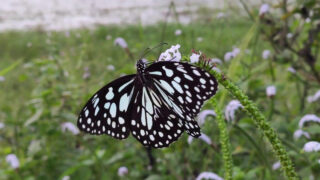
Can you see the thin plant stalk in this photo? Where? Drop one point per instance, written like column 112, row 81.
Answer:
column 224, row 140
column 260, row 121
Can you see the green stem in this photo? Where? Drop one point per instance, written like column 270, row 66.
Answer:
column 260, row 121
column 224, row 140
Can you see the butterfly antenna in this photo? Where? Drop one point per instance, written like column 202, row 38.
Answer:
column 148, row 50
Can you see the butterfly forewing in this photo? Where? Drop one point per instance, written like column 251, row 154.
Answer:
column 107, row 111
column 187, row 86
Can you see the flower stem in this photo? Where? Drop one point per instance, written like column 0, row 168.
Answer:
column 260, row 121
column 224, row 140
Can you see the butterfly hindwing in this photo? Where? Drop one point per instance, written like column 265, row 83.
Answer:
column 107, row 111
column 187, row 85
column 152, row 123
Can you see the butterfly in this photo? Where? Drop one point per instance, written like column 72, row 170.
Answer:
column 156, row 105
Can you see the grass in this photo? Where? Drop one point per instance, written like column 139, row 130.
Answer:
column 45, row 88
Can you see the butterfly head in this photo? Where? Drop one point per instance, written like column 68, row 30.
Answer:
column 141, row 65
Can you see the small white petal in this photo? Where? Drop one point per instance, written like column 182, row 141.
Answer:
column 119, row 41
column 70, row 127
column 292, row 70
column 236, row 51
column 314, row 97
column 205, row 138
column 308, row 20
column 190, row 139
column 264, row 8
column 194, row 58
column 178, row 32
column 203, row 115
column 276, row 165
column 208, row 175
column 2, row 125
column 311, row 146
column 108, row 37
column 110, row 67
column 228, row 56
column 215, row 60
column 199, row 39
column 13, row 161
column 122, row 171
column 289, row 35
column 271, row 91
column 266, row 54
column 231, row 109
column 66, row 178
column 2, row 78
column 298, row 133
column 308, row 118
column 216, row 69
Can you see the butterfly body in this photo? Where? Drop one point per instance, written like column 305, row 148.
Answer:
column 156, row 105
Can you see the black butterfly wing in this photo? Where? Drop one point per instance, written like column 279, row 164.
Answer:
column 188, row 86
column 108, row 111
column 152, row 123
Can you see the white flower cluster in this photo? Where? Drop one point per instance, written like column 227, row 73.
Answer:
column 122, row 171
column 172, row 54
column 276, row 165
column 194, row 58
column 68, row 126
column 208, row 175
column 298, row 133
column 271, row 91
column 264, row 8
column 119, row 41
column 266, row 54
column 230, row 55
column 312, row 146
column 308, row 118
column 13, row 160
column 292, row 70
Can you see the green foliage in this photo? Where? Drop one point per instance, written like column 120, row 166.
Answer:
column 45, row 86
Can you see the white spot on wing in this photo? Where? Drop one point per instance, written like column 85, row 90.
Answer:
column 121, row 120
column 156, row 73
column 188, row 77
column 168, row 72
column 113, row 110
column 196, row 72
column 124, row 85
column 124, row 103
column 177, row 86
column 110, row 94
column 166, row 86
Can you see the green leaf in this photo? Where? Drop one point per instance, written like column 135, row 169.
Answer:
column 10, row 68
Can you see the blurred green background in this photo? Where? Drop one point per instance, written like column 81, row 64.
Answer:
column 47, row 76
